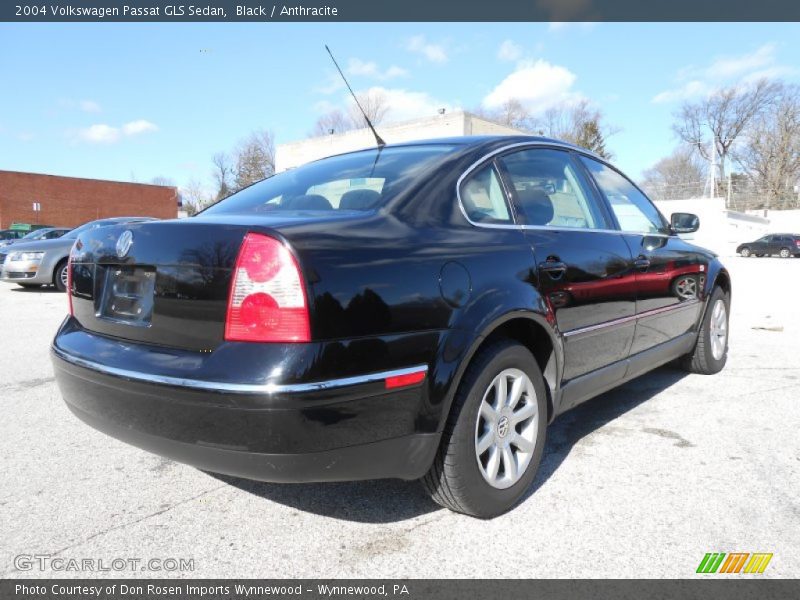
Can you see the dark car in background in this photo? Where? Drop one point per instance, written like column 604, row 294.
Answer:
column 420, row 310
column 45, row 233
column 782, row 244
column 10, row 234
column 40, row 258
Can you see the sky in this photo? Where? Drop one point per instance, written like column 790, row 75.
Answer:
column 138, row 101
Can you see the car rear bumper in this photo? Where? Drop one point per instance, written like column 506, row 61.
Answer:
column 341, row 430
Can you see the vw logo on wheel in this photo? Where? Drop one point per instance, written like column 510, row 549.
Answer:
column 124, row 243
column 502, row 427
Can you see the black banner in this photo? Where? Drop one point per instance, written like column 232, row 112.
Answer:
column 401, row 10
column 413, row 589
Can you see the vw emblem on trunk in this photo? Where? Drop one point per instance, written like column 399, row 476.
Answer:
column 124, row 243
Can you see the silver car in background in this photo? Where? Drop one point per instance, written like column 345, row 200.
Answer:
column 44, row 261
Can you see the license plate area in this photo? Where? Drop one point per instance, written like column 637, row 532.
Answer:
column 127, row 295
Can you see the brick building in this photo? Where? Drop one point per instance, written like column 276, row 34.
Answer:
column 71, row 201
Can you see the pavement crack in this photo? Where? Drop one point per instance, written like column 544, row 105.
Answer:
column 129, row 523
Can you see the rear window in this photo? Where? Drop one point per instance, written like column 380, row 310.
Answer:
column 352, row 182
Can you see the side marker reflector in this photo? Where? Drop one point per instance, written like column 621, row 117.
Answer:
column 406, row 380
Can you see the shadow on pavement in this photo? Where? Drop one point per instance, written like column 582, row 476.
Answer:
column 47, row 289
column 571, row 427
column 390, row 500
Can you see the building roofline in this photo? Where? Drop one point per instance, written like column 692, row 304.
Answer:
column 169, row 187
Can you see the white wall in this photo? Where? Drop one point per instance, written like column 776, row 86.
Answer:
column 455, row 124
column 720, row 230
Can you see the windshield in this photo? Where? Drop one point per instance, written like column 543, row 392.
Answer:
column 35, row 235
column 351, row 182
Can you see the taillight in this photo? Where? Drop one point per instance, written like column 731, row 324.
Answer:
column 797, row 243
column 267, row 302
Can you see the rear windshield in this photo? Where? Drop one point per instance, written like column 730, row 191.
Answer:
column 359, row 181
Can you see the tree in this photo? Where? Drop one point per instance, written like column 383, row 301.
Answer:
column 770, row 152
column 512, row 113
column 679, row 175
column 375, row 106
column 162, row 180
column 195, row 197
column 713, row 124
column 255, row 159
column 334, row 121
column 222, row 175
column 374, row 103
column 581, row 124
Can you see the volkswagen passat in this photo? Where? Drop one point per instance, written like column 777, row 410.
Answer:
column 421, row 310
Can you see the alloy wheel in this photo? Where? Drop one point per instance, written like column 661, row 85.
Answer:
column 506, row 428
column 686, row 288
column 719, row 329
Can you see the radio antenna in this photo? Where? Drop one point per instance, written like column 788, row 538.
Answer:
column 378, row 138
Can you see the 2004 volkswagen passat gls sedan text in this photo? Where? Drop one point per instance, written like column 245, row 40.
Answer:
column 421, row 310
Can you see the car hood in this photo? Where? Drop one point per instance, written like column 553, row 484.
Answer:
column 40, row 246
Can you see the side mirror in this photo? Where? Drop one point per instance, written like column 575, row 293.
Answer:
column 684, row 222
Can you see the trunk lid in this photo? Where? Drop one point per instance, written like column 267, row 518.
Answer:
column 164, row 282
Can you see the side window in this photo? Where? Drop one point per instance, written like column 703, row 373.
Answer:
column 549, row 190
column 483, row 198
column 633, row 210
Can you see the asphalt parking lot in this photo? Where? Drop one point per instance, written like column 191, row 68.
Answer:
column 640, row 482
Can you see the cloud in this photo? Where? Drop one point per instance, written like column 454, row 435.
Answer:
column 696, row 82
column 406, row 104
column 539, row 85
column 434, row 53
column 333, row 83
column 101, row 133
column 509, row 51
column 358, row 67
column 734, row 66
column 89, row 106
column 137, row 127
column 691, row 89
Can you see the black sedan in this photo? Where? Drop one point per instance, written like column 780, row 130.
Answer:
column 782, row 244
column 421, row 310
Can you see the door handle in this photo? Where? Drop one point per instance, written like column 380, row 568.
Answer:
column 554, row 268
column 642, row 263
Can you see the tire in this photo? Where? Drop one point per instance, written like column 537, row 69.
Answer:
column 785, row 253
column 459, row 478
column 685, row 287
column 708, row 357
column 60, row 276
column 745, row 251
column 30, row 286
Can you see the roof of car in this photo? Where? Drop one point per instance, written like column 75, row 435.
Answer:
column 466, row 143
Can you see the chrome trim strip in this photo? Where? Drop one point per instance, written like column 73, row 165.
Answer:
column 235, row 388
column 623, row 320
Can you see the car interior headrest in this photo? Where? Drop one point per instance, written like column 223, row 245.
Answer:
column 359, row 200
column 536, row 206
column 310, row 202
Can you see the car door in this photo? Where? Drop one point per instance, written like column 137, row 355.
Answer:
column 583, row 269
column 670, row 272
